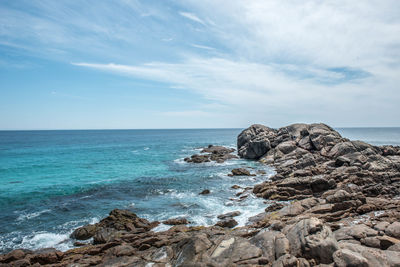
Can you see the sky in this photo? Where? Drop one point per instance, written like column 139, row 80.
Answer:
column 129, row 64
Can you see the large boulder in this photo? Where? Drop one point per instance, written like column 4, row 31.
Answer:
column 254, row 141
column 310, row 238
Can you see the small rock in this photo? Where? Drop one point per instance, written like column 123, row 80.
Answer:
column 205, row 192
column 229, row 223
column 240, row 172
column 229, row 215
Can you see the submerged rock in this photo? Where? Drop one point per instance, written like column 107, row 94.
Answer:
column 240, row 172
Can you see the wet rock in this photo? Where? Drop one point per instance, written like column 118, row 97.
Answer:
column 240, row 172
column 198, row 159
column 108, row 228
column 229, row 215
column 218, row 154
column 218, row 150
column 205, row 192
column 84, row 232
column 176, row 221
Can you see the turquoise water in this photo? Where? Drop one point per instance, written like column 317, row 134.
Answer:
column 55, row 181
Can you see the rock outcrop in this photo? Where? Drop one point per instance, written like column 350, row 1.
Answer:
column 218, row 154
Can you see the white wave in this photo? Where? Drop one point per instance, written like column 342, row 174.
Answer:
column 180, row 161
column 28, row 216
column 161, row 228
column 146, row 148
column 44, row 239
column 75, row 224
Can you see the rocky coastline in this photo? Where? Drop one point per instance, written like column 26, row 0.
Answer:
column 332, row 202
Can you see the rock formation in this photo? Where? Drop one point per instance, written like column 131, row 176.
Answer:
column 218, row 154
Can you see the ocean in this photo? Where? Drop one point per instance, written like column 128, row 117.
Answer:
column 55, row 181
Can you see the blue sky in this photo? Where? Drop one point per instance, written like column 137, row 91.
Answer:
column 192, row 64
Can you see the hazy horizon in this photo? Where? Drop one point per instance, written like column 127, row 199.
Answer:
column 178, row 64
column 221, row 128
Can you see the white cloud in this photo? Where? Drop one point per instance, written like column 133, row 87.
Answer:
column 258, row 91
column 192, row 17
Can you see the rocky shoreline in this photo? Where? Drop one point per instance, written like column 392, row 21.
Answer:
column 332, row 202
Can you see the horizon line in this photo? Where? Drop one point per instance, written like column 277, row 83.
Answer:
column 197, row 128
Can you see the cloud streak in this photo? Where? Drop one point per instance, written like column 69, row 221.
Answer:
column 192, row 17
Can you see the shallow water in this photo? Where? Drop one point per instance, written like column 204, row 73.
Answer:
column 55, row 181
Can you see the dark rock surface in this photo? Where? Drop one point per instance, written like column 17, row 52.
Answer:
column 240, row 172
column 332, row 202
column 218, row 154
column 176, row 221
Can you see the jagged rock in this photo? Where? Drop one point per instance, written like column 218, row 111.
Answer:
column 254, row 141
column 118, row 220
